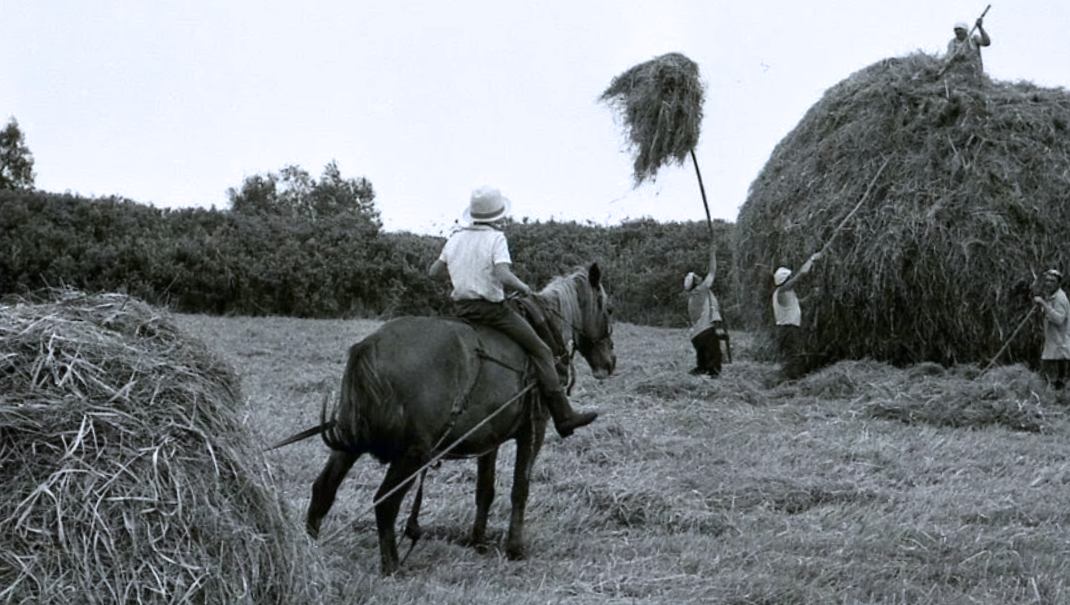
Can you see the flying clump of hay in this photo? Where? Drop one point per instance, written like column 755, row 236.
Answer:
column 660, row 104
column 127, row 476
column 969, row 183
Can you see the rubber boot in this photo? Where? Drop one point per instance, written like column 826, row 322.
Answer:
column 566, row 419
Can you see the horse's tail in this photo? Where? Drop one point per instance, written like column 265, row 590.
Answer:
column 365, row 409
column 305, row 434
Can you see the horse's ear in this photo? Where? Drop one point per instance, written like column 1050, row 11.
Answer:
column 594, row 275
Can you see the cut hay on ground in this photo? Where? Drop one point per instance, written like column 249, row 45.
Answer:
column 938, row 262
column 127, row 476
column 660, row 104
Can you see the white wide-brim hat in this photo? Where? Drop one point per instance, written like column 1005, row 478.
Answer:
column 486, row 206
column 782, row 274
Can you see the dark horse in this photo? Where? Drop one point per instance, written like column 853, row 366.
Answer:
column 418, row 386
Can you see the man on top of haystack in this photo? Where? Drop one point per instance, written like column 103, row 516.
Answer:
column 964, row 51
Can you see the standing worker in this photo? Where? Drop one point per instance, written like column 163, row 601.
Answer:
column 788, row 316
column 1055, row 309
column 707, row 327
column 964, row 51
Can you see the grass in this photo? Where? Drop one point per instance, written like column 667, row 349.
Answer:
column 858, row 484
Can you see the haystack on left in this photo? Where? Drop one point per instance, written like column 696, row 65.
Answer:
column 126, row 475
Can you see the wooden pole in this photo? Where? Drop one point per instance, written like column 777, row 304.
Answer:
column 857, row 206
column 1011, row 339
column 709, row 221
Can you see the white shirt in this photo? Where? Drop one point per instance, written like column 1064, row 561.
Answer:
column 470, row 255
column 789, row 313
column 702, row 307
column 1057, row 327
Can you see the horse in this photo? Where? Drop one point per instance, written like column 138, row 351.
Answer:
column 423, row 388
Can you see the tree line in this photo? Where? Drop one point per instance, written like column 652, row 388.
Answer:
column 292, row 245
column 197, row 260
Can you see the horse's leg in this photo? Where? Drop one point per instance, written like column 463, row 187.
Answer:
column 325, row 488
column 484, row 495
column 528, row 444
column 412, row 526
column 399, row 475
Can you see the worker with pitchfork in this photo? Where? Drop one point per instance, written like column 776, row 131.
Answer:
column 788, row 316
column 1055, row 309
column 964, row 50
column 707, row 327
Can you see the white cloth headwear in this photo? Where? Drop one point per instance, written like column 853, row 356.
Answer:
column 782, row 274
column 689, row 281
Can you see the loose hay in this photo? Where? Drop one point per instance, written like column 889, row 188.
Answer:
column 660, row 104
column 938, row 262
column 1012, row 397
column 127, row 476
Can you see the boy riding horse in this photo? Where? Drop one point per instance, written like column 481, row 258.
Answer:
column 476, row 260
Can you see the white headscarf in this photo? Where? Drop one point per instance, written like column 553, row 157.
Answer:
column 782, row 274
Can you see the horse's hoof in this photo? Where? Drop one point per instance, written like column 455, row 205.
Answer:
column 413, row 531
column 515, row 553
column 313, row 529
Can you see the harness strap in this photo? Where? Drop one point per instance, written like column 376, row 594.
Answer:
column 460, row 403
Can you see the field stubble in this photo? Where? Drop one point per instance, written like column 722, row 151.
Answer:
column 861, row 483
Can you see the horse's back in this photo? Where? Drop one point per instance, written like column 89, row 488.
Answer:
column 416, row 343
column 437, row 377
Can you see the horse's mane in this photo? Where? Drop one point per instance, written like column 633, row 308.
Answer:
column 563, row 293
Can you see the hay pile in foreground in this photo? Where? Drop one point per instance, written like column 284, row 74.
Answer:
column 938, row 262
column 126, row 475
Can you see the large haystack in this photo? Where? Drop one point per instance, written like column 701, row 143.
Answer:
column 126, row 475
column 938, row 262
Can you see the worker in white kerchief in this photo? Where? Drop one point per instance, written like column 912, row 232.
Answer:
column 964, row 50
column 1055, row 309
column 788, row 316
column 707, row 327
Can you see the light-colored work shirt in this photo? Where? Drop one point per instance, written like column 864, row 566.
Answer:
column 967, row 52
column 470, row 255
column 786, row 312
column 702, row 307
column 1057, row 327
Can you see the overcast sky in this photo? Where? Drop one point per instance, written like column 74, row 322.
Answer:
column 171, row 103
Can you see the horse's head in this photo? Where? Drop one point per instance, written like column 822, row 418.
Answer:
column 592, row 331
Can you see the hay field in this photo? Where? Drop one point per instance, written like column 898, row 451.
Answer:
column 859, row 484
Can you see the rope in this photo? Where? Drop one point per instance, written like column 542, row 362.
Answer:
column 435, row 460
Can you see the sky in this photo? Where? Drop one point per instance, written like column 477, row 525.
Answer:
column 171, row 103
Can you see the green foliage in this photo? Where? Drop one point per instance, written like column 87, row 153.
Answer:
column 16, row 161
column 293, row 193
column 225, row 262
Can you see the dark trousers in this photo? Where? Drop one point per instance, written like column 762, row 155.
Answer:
column 790, row 345
column 1056, row 371
column 500, row 317
column 707, row 345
